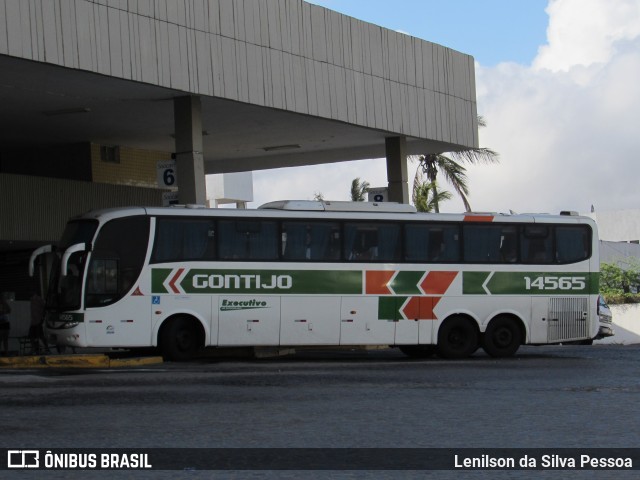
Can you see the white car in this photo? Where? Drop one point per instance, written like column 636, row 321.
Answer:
column 605, row 317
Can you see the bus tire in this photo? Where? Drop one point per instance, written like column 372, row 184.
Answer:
column 457, row 337
column 418, row 351
column 503, row 337
column 181, row 338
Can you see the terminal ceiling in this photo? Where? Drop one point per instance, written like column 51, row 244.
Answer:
column 44, row 105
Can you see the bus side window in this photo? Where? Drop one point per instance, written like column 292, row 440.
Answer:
column 482, row 243
column 536, row 244
column 416, row 243
column 310, row 241
column 509, row 245
column 432, row 243
column 490, row 243
column 372, row 242
column 248, row 240
column 180, row 239
column 572, row 244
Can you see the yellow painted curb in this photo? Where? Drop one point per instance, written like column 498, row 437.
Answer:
column 75, row 361
column 135, row 362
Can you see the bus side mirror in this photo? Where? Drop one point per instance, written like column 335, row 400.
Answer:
column 78, row 247
column 36, row 253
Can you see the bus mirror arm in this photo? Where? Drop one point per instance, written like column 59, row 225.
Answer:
column 78, row 247
column 36, row 253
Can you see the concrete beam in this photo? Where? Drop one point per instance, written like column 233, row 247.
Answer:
column 397, row 175
column 187, row 112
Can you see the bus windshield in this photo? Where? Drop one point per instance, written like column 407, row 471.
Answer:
column 115, row 258
column 64, row 291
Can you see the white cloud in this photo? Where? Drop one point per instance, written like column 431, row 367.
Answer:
column 566, row 127
column 584, row 32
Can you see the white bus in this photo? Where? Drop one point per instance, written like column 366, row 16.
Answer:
column 298, row 273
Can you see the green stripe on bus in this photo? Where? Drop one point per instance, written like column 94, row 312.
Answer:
column 389, row 308
column 158, row 277
column 203, row 280
column 406, row 283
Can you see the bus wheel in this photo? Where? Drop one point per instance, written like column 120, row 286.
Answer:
column 457, row 338
column 418, row 351
column 181, row 339
column 502, row 337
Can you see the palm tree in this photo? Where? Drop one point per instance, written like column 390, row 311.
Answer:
column 358, row 190
column 423, row 198
column 452, row 169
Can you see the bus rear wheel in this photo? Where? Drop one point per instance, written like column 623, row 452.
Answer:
column 181, row 339
column 457, row 338
column 502, row 337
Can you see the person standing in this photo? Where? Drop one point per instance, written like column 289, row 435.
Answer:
column 5, row 325
column 36, row 333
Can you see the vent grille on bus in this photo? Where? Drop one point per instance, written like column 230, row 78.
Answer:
column 568, row 319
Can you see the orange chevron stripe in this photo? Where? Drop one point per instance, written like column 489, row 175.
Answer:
column 377, row 282
column 478, row 218
column 437, row 283
column 420, row 308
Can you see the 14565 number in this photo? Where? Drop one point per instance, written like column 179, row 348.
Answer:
column 555, row 283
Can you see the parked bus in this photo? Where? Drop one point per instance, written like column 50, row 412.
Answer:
column 296, row 273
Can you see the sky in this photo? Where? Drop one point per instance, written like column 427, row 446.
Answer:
column 558, row 83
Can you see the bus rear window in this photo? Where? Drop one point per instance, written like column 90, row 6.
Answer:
column 572, row 244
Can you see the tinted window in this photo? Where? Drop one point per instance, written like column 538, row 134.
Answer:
column 490, row 244
column 248, row 240
column 364, row 242
column 180, row 239
column 432, row 243
column 572, row 244
column 536, row 243
column 310, row 241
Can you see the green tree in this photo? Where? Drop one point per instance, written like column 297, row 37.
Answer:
column 358, row 190
column 423, row 199
column 452, row 169
column 318, row 196
column 616, row 282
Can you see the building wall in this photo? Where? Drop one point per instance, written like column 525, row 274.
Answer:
column 618, row 225
column 622, row 253
column 47, row 204
column 284, row 54
column 135, row 167
column 626, row 325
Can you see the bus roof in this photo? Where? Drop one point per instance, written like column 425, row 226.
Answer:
column 292, row 209
column 339, row 206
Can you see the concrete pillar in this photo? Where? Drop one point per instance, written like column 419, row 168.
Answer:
column 397, row 169
column 187, row 114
